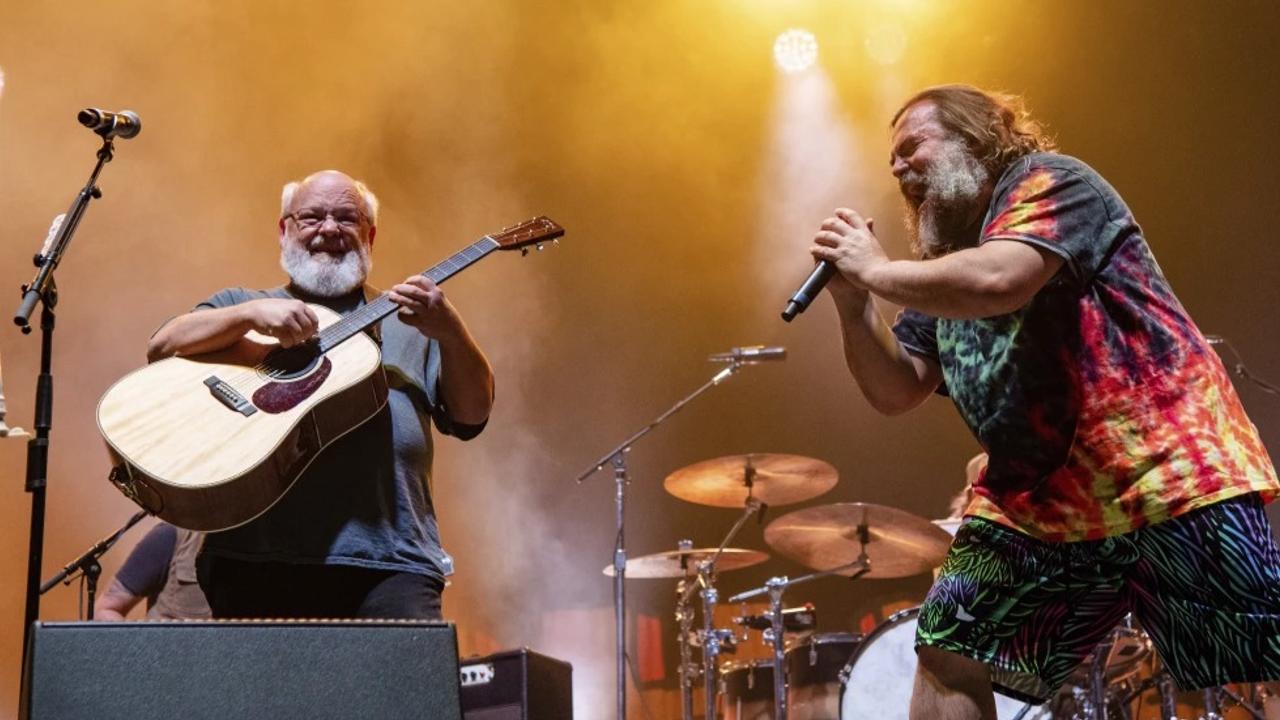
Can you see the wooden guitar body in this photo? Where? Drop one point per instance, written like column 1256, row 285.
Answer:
column 210, row 442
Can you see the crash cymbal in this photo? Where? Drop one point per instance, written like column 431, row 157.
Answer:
column 679, row 563
column 825, row 537
column 768, row 477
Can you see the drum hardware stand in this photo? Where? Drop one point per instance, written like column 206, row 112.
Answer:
column 775, row 587
column 1168, row 696
column 618, row 458
column 43, row 290
column 1212, row 709
column 1097, row 678
column 711, row 637
column 688, row 670
column 88, row 565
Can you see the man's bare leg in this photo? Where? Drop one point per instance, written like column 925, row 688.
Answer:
column 951, row 687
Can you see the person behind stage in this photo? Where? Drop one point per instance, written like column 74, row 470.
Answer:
column 160, row 569
column 1123, row 472
column 356, row 536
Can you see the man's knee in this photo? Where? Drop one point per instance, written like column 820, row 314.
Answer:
column 953, row 671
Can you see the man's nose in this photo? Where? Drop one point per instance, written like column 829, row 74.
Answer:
column 329, row 227
column 900, row 168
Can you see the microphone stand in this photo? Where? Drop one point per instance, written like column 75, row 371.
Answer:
column 44, row 291
column 88, row 565
column 618, row 458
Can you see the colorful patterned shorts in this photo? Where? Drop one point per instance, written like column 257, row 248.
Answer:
column 1205, row 586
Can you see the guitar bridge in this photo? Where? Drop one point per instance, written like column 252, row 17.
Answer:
column 229, row 396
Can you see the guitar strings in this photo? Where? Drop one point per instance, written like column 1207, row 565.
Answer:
column 352, row 323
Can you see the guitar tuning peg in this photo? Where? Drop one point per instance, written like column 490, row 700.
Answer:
column 524, row 251
column 556, row 242
column 539, row 247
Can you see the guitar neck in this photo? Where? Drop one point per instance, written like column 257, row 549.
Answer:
column 382, row 306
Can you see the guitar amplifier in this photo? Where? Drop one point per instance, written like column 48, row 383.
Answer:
column 217, row 670
column 516, row 685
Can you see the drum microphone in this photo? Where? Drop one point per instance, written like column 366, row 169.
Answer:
column 750, row 354
column 123, row 125
column 809, row 290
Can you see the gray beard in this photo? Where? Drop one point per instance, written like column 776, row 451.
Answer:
column 940, row 224
column 324, row 275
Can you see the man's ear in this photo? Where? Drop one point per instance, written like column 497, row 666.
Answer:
column 373, row 230
column 281, row 232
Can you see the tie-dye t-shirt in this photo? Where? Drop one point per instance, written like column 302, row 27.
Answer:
column 1101, row 405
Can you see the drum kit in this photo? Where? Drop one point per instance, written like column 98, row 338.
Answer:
column 841, row 675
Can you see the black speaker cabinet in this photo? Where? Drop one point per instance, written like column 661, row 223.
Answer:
column 517, row 685
column 221, row 670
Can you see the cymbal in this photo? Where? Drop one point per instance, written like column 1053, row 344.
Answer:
column 825, row 537
column 670, row 565
column 775, row 480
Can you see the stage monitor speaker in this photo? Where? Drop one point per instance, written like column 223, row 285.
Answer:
column 219, row 670
column 517, row 685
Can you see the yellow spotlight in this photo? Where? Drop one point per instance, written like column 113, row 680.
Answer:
column 795, row 50
column 886, row 43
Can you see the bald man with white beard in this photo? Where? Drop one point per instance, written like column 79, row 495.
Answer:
column 357, row 534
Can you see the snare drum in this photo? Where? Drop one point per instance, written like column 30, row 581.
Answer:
column 746, row 690
column 813, row 674
column 877, row 682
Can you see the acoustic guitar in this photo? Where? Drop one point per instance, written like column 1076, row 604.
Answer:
column 209, row 442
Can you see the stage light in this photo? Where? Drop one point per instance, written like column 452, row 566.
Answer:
column 795, row 50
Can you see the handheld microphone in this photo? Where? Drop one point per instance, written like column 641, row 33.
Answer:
column 123, row 125
column 809, row 290
column 750, row 354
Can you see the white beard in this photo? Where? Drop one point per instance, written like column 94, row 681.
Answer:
column 954, row 186
column 324, row 275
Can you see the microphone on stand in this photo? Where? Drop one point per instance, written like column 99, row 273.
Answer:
column 809, row 290
column 750, row 354
column 123, row 125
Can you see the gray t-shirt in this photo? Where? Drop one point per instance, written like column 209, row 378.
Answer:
column 366, row 499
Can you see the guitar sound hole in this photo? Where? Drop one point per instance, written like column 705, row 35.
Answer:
column 292, row 363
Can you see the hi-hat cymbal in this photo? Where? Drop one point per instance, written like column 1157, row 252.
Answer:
column 679, row 563
column 826, row 537
column 771, row 478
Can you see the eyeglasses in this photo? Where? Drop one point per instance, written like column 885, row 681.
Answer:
column 312, row 218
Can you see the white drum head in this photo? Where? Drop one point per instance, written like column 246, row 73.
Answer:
column 879, row 678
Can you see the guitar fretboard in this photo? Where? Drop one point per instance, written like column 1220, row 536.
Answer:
column 382, row 306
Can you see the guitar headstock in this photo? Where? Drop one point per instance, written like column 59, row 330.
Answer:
column 536, row 231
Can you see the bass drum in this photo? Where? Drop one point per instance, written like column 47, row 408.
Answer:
column 746, row 690
column 814, row 665
column 877, row 681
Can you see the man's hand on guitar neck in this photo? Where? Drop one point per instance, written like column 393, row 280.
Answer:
column 424, row 306
column 466, row 379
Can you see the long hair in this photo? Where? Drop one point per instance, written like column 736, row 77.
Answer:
column 996, row 126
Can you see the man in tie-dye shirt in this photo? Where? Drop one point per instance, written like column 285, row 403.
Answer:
column 1124, row 475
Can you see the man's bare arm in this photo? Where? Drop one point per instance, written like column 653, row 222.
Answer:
column 892, row 379
column 289, row 321
column 115, row 603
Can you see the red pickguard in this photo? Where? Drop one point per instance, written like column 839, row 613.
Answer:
column 278, row 397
